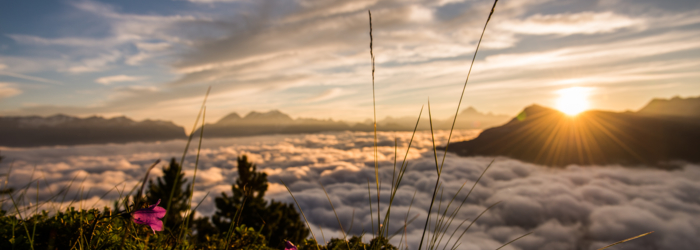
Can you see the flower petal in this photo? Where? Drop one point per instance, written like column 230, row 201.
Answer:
column 150, row 216
column 157, row 226
column 152, row 211
column 158, row 212
column 157, row 202
column 144, row 219
column 289, row 246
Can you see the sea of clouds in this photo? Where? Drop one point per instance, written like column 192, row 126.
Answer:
column 577, row 207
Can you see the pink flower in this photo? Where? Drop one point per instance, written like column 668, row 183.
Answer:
column 150, row 216
column 289, row 246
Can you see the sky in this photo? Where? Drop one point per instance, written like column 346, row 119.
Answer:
column 577, row 207
column 311, row 58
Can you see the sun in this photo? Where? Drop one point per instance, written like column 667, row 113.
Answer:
column 573, row 101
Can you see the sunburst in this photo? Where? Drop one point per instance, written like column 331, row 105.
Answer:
column 573, row 100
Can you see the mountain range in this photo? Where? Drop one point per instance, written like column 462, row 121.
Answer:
column 663, row 132
column 276, row 122
column 32, row 131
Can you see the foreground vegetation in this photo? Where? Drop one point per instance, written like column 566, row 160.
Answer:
column 266, row 225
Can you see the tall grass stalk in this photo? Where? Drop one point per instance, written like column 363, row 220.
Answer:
column 187, row 146
column 67, row 189
column 371, row 218
column 442, row 226
column 345, row 237
column 454, row 213
column 439, row 171
column 106, row 193
column 320, row 228
column 459, row 104
column 31, row 240
column 405, row 221
column 7, row 181
column 143, row 183
column 454, row 246
column 302, row 213
column 401, row 172
column 234, row 221
column 513, row 240
column 352, row 220
column 186, row 221
column 36, row 211
column 626, row 240
column 374, row 109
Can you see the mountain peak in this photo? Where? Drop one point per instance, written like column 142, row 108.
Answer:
column 546, row 136
column 676, row 106
column 536, row 108
column 229, row 118
column 272, row 115
column 469, row 111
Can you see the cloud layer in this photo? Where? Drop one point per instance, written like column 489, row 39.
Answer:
column 571, row 208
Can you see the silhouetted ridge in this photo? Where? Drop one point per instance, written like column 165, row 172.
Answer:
column 271, row 122
column 545, row 136
column 276, row 122
column 468, row 118
column 230, row 118
column 677, row 106
column 30, row 131
column 274, row 116
column 469, row 111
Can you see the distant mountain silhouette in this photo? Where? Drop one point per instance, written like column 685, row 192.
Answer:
column 30, row 131
column 469, row 118
column 677, row 106
column 656, row 135
column 272, row 122
column 276, row 122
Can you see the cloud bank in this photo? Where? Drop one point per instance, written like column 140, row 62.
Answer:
column 572, row 208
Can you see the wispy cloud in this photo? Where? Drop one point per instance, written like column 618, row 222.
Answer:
column 107, row 80
column 571, row 23
column 9, row 90
column 93, row 64
column 85, row 42
column 325, row 95
column 26, row 77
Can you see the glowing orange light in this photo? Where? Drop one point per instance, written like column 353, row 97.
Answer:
column 573, row 101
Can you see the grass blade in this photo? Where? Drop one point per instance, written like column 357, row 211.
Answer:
column 467, row 80
column 20, row 218
column 472, row 223
column 454, row 213
column 626, row 240
column 432, row 201
column 187, row 146
column 514, row 240
column 374, row 108
column 194, row 175
column 302, row 213
column 345, row 237
column 371, row 218
column 402, row 171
